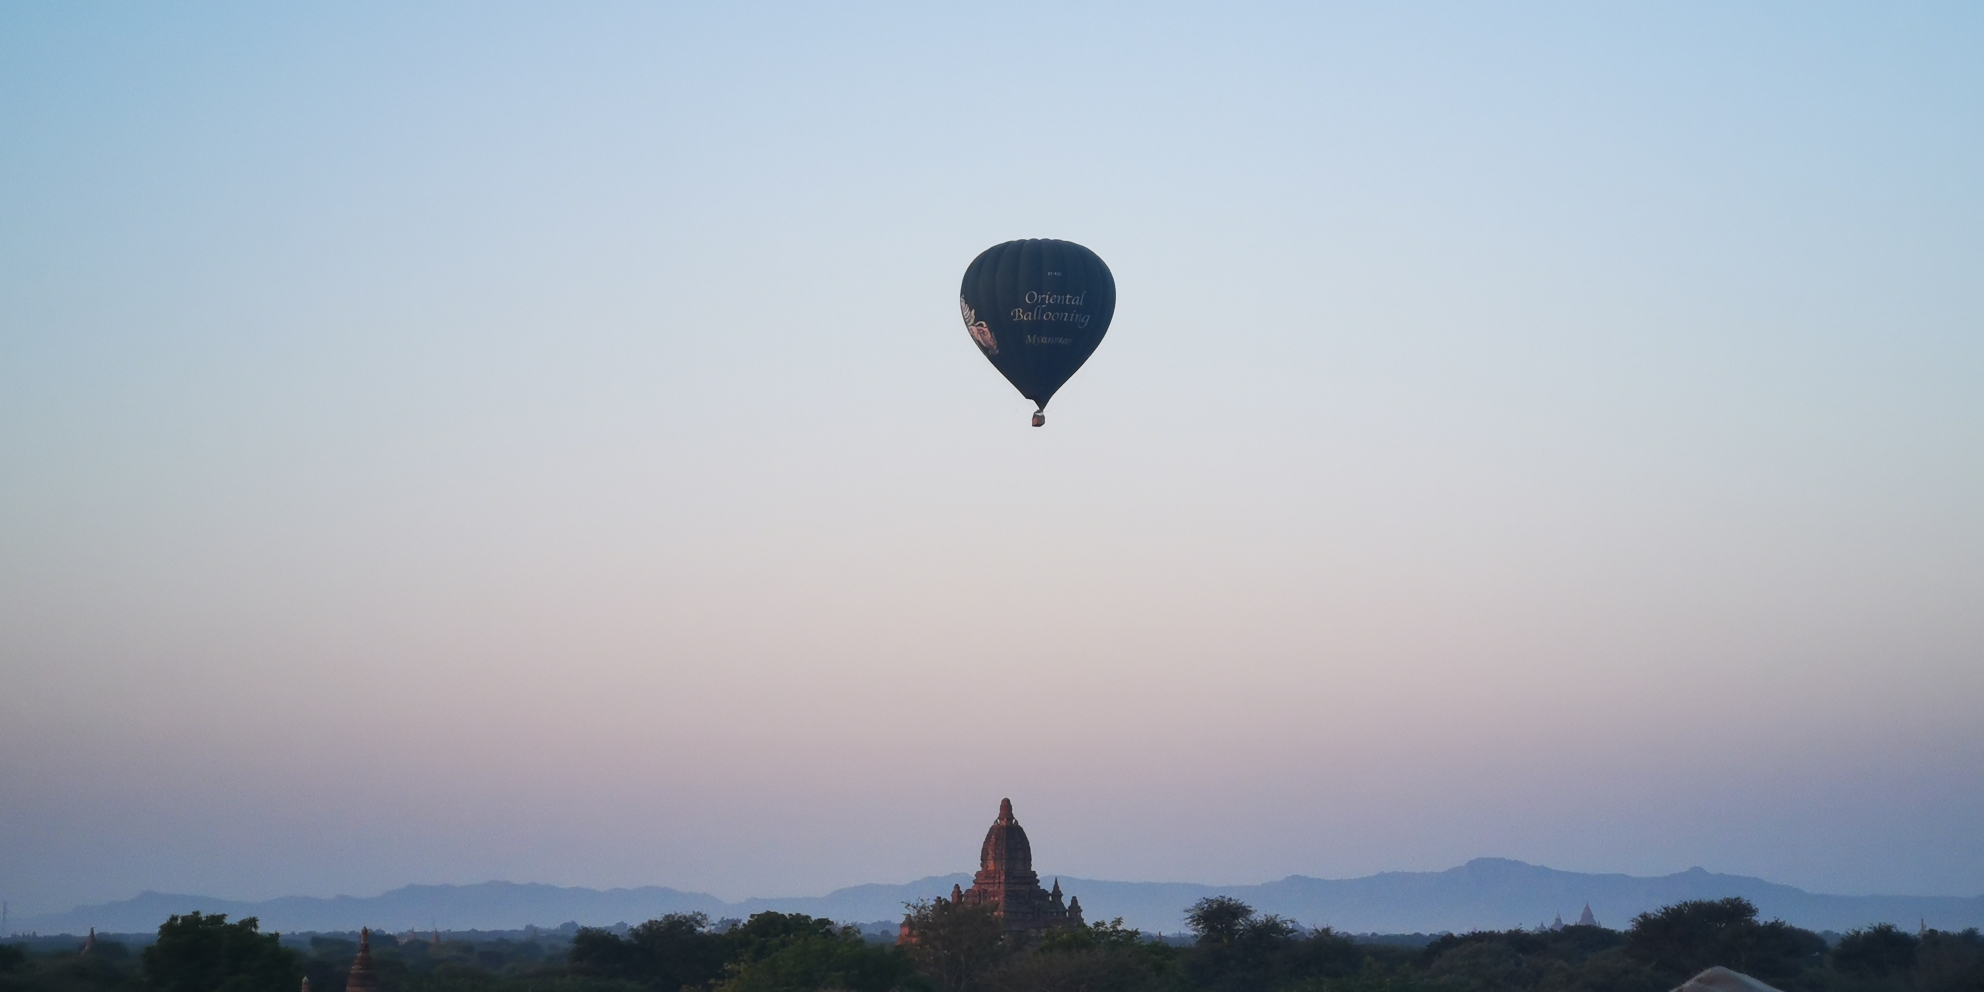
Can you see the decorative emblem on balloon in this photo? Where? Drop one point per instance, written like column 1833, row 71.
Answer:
column 979, row 332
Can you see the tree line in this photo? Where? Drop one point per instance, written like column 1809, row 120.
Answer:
column 963, row 948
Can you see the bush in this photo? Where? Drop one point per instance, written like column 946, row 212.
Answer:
column 1680, row 940
column 196, row 953
column 1875, row 952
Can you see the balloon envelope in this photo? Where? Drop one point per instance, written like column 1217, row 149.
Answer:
column 1037, row 309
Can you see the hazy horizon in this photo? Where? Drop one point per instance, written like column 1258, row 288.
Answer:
column 484, row 441
column 1482, row 894
column 1047, row 876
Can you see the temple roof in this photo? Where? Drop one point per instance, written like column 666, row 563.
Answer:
column 1006, row 847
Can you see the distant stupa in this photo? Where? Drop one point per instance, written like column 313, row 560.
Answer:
column 363, row 978
column 1585, row 919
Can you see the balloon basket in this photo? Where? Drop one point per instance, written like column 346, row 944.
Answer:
column 1039, row 418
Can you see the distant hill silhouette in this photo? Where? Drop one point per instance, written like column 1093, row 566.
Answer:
column 1486, row 893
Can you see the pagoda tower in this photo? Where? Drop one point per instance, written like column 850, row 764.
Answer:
column 363, row 978
column 1006, row 881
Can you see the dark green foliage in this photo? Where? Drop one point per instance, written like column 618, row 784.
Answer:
column 1219, row 920
column 1614, row 971
column 765, row 934
column 770, row 952
column 1102, row 957
column 454, row 965
column 1480, row 966
column 1573, row 957
column 666, row 954
column 111, row 967
column 1572, row 945
column 1111, row 936
column 965, row 949
column 1236, row 949
column 775, row 952
column 1372, row 980
column 955, row 943
column 1685, row 938
column 197, row 953
column 1223, row 921
column 1088, row 970
column 1876, row 952
column 1950, row 962
column 1326, row 954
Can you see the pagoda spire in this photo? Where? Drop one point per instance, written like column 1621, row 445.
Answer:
column 362, row 977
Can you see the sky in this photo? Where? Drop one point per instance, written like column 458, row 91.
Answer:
column 452, row 442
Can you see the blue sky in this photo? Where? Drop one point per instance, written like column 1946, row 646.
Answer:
column 479, row 441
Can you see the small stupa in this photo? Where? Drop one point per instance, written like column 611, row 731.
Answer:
column 1585, row 919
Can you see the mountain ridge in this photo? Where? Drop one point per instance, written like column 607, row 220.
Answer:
column 1485, row 893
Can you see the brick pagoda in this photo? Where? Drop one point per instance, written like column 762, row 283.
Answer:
column 1006, row 882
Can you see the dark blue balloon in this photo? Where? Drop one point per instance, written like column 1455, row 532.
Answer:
column 1037, row 309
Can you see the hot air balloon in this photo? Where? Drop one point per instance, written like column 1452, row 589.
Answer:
column 1037, row 309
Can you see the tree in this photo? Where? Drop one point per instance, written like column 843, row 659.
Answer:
column 600, row 953
column 954, row 942
column 665, row 954
column 1090, row 970
column 797, row 953
column 1218, row 920
column 1875, row 952
column 1947, row 962
column 1237, row 949
column 766, row 933
column 197, row 953
column 1100, row 957
column 1112, row 935
column 1679, row 940
column 1325, row 954
column 1491, row 965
